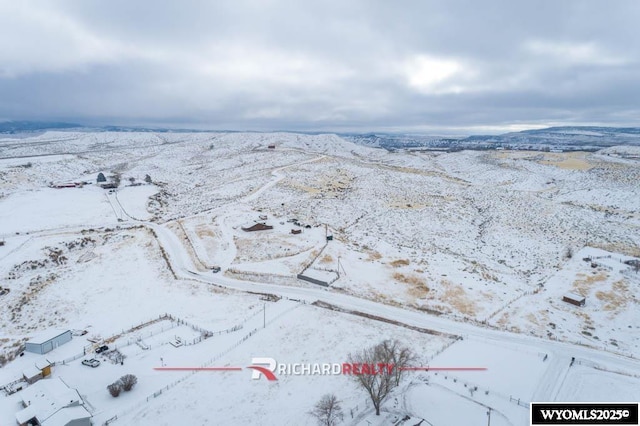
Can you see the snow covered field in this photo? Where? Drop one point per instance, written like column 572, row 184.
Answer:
column 481, row 245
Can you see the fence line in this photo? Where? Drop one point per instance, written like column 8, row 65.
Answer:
column 174, row 322
column 182, row 379
column 207, row 363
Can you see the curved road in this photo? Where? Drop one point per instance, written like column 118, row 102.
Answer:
column 184, row 267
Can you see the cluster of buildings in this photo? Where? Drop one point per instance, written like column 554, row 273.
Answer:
column 47, row 400
column 52, row 403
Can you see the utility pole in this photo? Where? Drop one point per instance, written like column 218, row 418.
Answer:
column 341, row 267
column 264, row 315
column 489, row 417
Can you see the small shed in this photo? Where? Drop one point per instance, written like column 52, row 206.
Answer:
column 44, row 366
column 32, row 375
column 48, row 341
column 574, row 299
column 257, row 227
column 296, row 231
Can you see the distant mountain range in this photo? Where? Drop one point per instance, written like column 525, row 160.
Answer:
column 565, row 137
column 34, row 126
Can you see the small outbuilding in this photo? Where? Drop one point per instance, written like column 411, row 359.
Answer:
column 257, row 227
column 48, row 341
column 31, row 375
column 296, row 231
column 574, row 299
column 45, row 367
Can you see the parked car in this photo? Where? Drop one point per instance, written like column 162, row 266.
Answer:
column 215, row 269
column 91, row 362
column 102, row 348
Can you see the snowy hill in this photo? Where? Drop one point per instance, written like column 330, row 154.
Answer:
column 465, row 257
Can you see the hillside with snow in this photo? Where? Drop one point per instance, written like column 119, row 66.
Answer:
column 464, row 257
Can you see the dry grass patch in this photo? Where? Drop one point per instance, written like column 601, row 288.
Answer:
column 615, row 299
column 384, row 299
column 584, row 285
column 408, row 279
column 511, row 155
column 504, row 320
column 533, row 319
column 569, row 164
column 567, row 160
column 399, row 262
column 457, row 297
column 326, row 259
column 418, row 287
column 539, row 319
column 204, row 231
column 374, row 255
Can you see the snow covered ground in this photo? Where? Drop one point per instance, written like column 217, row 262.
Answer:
column 475, row 244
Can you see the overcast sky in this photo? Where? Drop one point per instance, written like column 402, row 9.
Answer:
column 345, row 65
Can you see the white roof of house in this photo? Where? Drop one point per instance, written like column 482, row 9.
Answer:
column 66, row 415
column 44, row 398
column 42, row 363
column 25, row 415
column 31, row 372
column 573, row 296
column 45, row 336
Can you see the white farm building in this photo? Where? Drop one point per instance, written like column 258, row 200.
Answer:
column 47, row 341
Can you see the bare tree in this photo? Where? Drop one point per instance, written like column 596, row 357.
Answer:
column 401, row 357
column 568, row 253
column 328, row 411
column 115, row 389
column 147, row 178
column 391, row 359
column 128, row 380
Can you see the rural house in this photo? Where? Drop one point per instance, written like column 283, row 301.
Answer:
column 52, row 403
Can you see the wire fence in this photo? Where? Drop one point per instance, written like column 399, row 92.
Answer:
column 117, row 342
column 173, row 384
column 205, row 364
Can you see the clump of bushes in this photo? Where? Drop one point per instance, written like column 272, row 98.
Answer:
column 124, row 383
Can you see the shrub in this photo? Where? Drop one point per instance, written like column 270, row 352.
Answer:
column 128, row 381
column 115, row 388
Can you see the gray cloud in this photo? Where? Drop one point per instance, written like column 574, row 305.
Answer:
column 335, row 65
